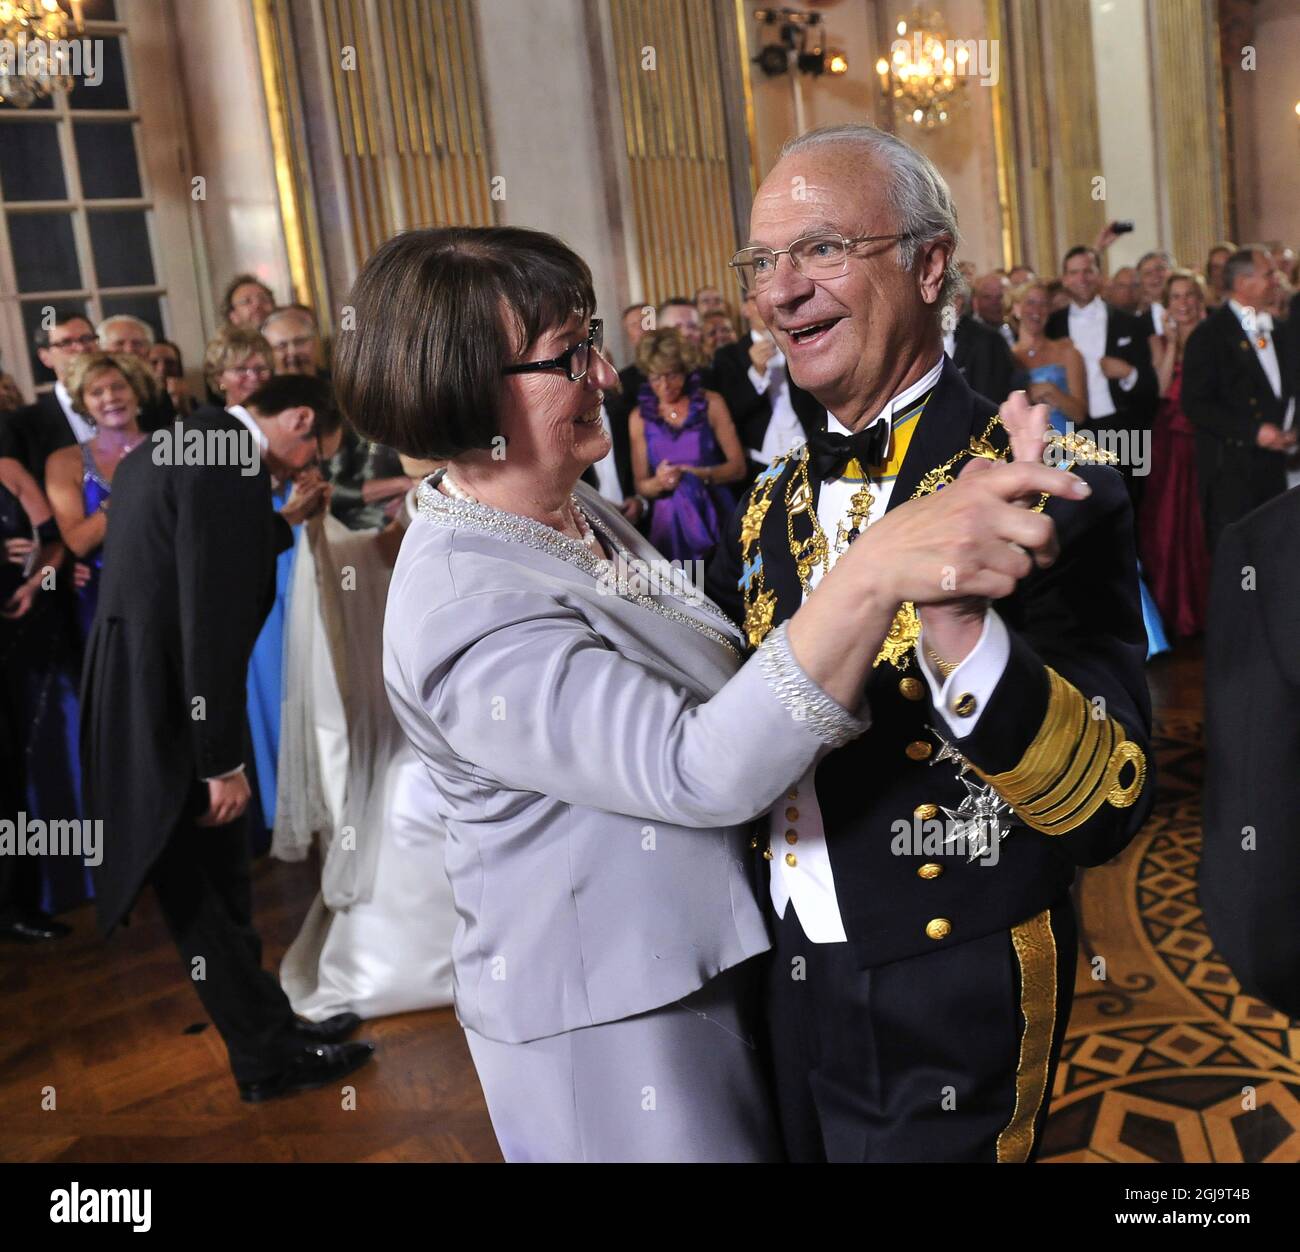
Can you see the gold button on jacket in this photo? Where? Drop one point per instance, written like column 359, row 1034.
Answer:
column 792, row 836
column 911, row 688
column 918, row 750
column 791, row 860
column 939, row 928
column 792, row 815
column 924, row 812
column 931, row 869
column 964, row 705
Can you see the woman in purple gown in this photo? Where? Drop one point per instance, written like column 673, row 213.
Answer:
column 110, row 390
column 685, row 450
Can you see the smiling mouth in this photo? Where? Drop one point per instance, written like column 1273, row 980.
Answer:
column 806, row 334
column 589, row 419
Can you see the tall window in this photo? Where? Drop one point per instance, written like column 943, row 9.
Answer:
column 76, row 212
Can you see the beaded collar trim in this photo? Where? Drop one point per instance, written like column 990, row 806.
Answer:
column 442, row 510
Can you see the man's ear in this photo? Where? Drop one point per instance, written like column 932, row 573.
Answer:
column 43, row 355
column 299, row 420
column 934, row 261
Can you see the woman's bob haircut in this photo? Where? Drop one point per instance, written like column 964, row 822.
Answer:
column 435, row 316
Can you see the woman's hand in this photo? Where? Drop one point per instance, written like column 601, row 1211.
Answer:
column 953, row 628
column 20, row 603
column 19, row 551
column 667, row 476
column 975, row 539
column 305, row 501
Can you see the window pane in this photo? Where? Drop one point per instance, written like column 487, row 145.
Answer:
column 31, row 167
column 45, row 253
column 111, row 92
column 146, row 308
column 119, row 243
column 33, row 313
column 106, row 155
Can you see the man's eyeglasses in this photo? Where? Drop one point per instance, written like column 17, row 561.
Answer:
column 575, row 362
column 75, row 341
column 820, row 256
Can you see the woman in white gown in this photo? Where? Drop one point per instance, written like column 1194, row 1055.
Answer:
column 377, row 939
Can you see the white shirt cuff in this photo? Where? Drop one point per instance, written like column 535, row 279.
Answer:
column 230, row 773
column 759, row 381
column 1129, row 381
column 971, row 685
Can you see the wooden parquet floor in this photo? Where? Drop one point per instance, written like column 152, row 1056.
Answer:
column 105, row 1027
column 1153, row 1068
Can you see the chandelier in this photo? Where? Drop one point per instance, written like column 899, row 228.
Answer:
column 34, row 56
column 924, row 75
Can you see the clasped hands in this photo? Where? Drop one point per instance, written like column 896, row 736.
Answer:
column 954, row 552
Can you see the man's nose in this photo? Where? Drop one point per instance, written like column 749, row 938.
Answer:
column 787, row 283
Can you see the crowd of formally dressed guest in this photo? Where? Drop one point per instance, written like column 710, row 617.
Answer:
column 1188, row 373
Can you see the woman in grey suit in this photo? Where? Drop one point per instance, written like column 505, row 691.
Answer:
column 597, row 746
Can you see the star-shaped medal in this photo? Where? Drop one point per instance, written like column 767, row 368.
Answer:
column 978, row 819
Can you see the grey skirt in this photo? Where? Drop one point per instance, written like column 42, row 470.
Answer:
column 680, row 1083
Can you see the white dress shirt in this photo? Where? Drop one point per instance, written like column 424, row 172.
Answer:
column 784, row 432
column 809, row 883
column 1258, row 328
column 246, row 418
column 81, row 428
column 1158, row 317
column 1087, row 327
column 606, row 468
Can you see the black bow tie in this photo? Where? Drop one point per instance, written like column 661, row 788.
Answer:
column 831, row 452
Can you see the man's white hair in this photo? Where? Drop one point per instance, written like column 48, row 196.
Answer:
column 101, row 331
column 918, row 192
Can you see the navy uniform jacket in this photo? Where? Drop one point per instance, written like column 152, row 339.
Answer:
column 1076, row 637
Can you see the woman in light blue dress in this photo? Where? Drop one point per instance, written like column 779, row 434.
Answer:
column 1054, row 375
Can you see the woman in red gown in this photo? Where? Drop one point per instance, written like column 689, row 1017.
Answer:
column 1171, row 534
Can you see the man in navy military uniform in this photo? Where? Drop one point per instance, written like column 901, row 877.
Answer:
column 919, row 987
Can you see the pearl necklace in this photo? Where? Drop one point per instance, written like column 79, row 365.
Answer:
column 586, row 534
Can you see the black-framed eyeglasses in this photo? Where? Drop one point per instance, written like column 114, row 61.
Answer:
column 75, row 341
column 575, row 362
column 822, row 255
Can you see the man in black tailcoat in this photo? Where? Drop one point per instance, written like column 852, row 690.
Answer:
column 1250, row 860
column 772, row 414
column 189, row 575
column 920, row 983
column 1122, row 388
column 1240, row 377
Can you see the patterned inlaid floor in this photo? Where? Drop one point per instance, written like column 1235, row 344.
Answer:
column 1166, row 1059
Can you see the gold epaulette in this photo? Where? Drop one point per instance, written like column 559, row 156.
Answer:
column 1072, row 767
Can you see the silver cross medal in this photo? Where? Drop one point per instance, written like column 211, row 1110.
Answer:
column 979, row 817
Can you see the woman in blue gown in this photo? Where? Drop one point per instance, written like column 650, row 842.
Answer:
column 110, row 391
column 1053, row 373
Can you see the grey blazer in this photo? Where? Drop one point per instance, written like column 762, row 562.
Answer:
column 597, row 753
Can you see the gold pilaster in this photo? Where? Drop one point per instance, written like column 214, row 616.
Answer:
column 1189, row 119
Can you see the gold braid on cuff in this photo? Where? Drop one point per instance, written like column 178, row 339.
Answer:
column 1072, row 767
